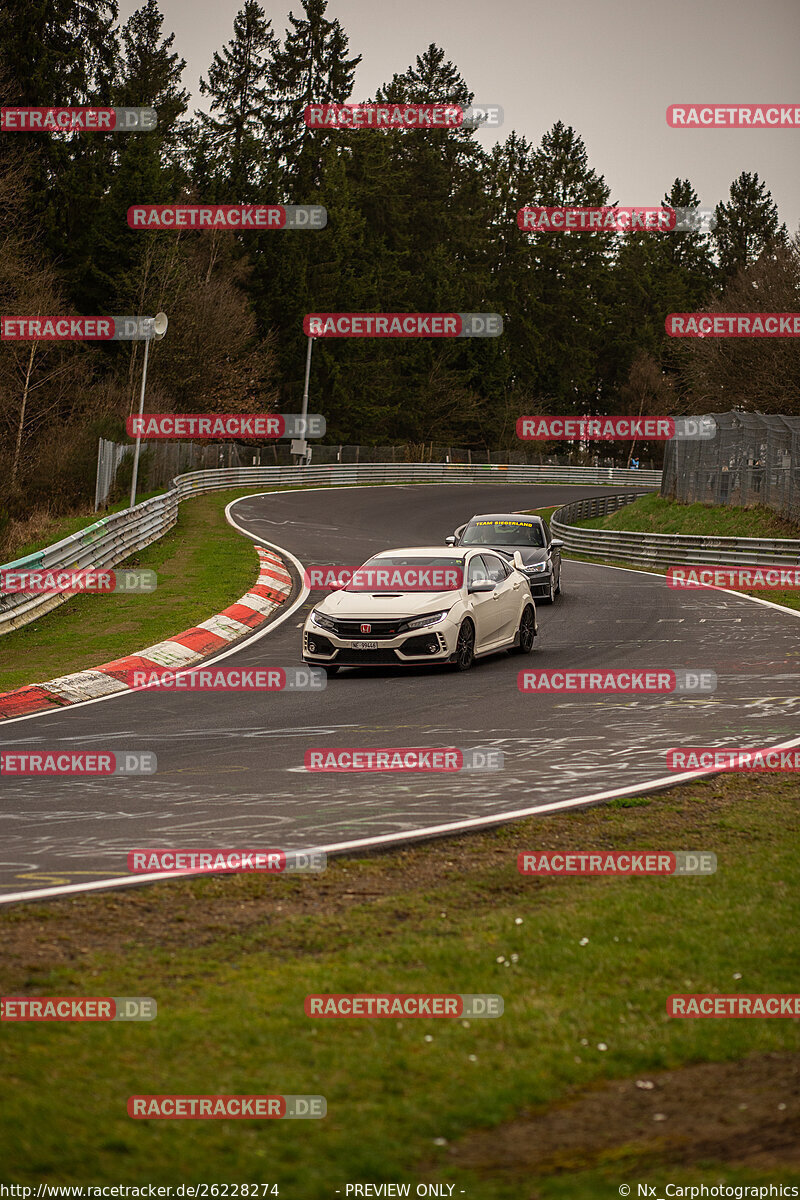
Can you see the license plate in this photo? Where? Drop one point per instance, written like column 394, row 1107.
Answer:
column 365, row 645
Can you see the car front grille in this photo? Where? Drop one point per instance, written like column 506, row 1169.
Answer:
column 378, row 630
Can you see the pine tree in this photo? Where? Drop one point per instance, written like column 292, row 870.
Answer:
column 570, row 275
column 510, row 181
column 655, row 274
column 63, row 53
column 149, row 74
column 231, row 137
column 311, row 67
column 746, row 225
column 148, row 167
column 429, row 229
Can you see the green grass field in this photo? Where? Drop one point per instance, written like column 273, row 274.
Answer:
column 656, row 514
column 230, row 960
column 203, row 565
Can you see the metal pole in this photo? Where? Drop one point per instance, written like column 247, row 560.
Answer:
column 304, row 410
column 100, row 459
column 139, row 436
column 300, row 458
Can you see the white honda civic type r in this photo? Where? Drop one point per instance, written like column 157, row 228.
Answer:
column 425, row 604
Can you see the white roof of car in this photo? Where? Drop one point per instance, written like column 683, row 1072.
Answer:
column 430, row 551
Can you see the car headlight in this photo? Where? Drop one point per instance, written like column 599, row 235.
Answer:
column 324, row 622
column 429, row 619
column 535, row 568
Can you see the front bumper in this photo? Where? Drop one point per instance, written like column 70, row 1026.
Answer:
column 539, row 584
column 436, row 644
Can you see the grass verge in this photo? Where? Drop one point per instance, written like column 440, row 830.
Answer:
column 203, row 565
column 656, row 514
column 230, row 960
column 653, row 514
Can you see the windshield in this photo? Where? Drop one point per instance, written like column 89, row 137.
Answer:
column 408, row 573
column 503, row 533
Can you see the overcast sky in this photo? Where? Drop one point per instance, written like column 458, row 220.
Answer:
column 609, row 68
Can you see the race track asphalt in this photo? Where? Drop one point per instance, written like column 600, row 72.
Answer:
column 230, row 768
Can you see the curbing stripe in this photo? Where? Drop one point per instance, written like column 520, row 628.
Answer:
column 223, row 627
column 269, row 593
column 262, row 604
column 83, row 685
column 244, row 615
column 121, row 667
column 26, row 700
column 199, row 640
column 179, row 652
column 169, row 654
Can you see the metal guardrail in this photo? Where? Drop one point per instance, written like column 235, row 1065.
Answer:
column 662, row 549
column 338, row 474
column 106, row 543
column 112, row 539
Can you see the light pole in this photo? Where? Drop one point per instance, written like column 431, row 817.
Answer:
column 159, row 328
column 300, row 445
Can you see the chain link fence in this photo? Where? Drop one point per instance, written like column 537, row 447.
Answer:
column 754, row 459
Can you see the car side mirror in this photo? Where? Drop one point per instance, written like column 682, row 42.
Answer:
column 518, row 560
column 450, row 541
column 556, row 544
column 481, row 585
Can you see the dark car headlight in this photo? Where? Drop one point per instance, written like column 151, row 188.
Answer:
column 323, row 621
column 428, row 619
column 536, row 568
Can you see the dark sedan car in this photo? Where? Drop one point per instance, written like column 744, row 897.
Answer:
column 510, row 532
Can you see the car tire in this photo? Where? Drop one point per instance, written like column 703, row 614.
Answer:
column 465, row 646
column 558, row 589
column 526, row 633
column 550, row 598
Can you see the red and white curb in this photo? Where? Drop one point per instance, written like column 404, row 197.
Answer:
column 177, row 653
